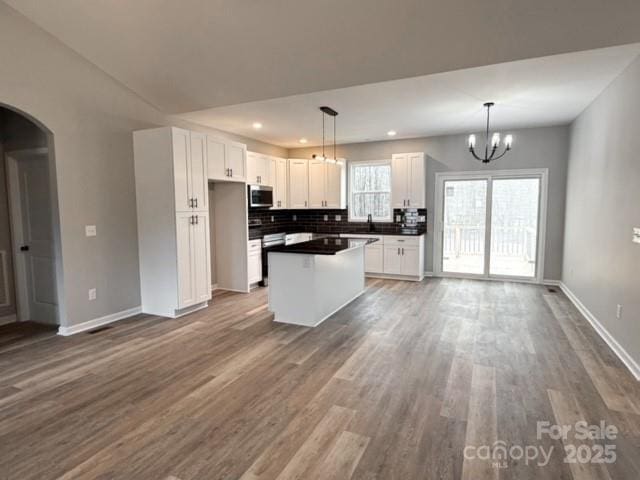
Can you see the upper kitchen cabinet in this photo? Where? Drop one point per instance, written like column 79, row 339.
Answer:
column 408, row 180
column 298, row 183
column 279, row 180
column 189, row 155
column 227, row 161
column 327, row 185
column 258, row 169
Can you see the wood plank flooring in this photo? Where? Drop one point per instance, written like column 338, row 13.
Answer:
column 394, row 386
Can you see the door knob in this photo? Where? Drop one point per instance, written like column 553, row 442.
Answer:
column 24, row 248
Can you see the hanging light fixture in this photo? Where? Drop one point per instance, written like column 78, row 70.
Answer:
column 490, row 148
column 332, row 113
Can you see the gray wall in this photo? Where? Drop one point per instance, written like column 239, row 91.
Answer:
column 533, row 148
column 91, row 117
column 601, row 264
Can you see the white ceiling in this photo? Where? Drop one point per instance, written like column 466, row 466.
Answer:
column 543, row 91
column 190, row 55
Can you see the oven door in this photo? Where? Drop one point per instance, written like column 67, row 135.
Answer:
column 260, row 196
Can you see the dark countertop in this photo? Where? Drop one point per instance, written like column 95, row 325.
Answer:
column 257, row 232
column 324, row 246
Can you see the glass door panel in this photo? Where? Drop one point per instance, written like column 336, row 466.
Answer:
column 464, row 226
column 515, row 203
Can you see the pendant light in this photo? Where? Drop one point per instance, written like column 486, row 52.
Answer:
column 332, row 113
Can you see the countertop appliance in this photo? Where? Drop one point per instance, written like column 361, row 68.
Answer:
column 260, row 196
column 269, row 242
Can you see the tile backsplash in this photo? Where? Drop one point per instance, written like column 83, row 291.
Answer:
column 329, row 221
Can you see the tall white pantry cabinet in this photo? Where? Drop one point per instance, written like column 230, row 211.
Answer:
column 173, row 220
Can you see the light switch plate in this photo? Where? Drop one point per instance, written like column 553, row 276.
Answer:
column 92, row 294
column 636, row 234
column 338, row 218
column 90, row 230
column 326, row 217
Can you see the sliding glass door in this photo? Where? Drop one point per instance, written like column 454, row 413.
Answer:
column 490, row 224
column 515, row 204
column 465, row 225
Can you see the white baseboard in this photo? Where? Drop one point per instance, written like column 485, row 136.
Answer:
column 8, row 319
column 551, row 283
column 98, row 322
column 428, row 274
column 622, row 354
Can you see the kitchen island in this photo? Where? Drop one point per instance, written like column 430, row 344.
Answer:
column 310, row 281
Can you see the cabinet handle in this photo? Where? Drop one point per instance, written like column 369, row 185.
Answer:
column 231, row 172
column 196, row 202
column 402, row 249
column 305, row 203
column 398, row 250
column 197, row 223
column 408, row 203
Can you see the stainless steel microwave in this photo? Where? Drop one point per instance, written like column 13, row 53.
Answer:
column 260, row 196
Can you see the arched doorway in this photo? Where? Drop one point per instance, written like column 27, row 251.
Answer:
column 30, row 248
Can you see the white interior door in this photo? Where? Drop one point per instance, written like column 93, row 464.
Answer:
column 37, row 246
column 491, row 225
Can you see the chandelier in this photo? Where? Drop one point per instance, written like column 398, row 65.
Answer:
column 490, row 149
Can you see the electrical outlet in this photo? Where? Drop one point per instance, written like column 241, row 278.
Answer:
column 90, row 230
column 272, row 219
column 636, row 235
column 398, row 218
column 619, row 312
column 295, row 218
column 92, row 294
column 338, row 218
column 326, row 217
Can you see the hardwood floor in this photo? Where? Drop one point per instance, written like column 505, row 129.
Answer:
column 392, row 387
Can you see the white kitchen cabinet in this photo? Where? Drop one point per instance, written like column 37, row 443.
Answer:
column 255, row 261
column 173, row 220
column 394, row 256
column 392, row 260
column 374, row 258
column 408, row 180
column 227, row 161
column 336, row 186
column 298, row 183
column 327, row 185
column 258, row 169
column 317, row 183
column 188, row 151
column 280, row 182
column 194, row 271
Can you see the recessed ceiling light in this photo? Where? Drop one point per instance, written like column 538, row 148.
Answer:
column 392, row 133
column 257, row 125
column 303, row 140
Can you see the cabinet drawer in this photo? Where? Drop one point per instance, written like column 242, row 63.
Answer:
column 401, row 240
